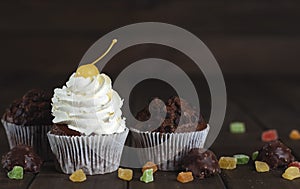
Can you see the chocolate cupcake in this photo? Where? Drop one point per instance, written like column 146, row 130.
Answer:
column 89, row 131
column 28, row 120
column 24, row 156
column 202, row 163
column 275, row 154
column 166, row 144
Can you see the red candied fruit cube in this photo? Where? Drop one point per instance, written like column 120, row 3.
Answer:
column 295, row 164
column 269, row 135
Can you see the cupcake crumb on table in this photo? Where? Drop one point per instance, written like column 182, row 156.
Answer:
column 275, row 154
column 201, row 162
column 22, row 155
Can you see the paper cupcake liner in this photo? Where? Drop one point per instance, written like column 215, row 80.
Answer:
column 96, row 154
column 167, row 149
column 32, row 135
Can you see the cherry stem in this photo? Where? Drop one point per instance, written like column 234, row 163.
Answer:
column 114, row 41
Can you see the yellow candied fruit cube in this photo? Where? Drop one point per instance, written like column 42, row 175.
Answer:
column 150, row 165
column 185, row 177
column 78, row 176
column 125, row 174
column 261, row 166
column 295, row 135
column 227, row 162
column 291, row 173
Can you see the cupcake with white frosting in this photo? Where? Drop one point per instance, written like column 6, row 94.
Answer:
column 89, row 131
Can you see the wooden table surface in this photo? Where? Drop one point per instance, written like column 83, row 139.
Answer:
column 261, row 104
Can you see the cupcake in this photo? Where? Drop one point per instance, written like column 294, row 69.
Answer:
column 28, row 120
column 166, row 144
column 89, row 131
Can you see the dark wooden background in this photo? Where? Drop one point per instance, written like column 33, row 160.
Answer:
column 256, row 44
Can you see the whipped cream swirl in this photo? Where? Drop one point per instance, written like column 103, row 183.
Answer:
column 89, row 106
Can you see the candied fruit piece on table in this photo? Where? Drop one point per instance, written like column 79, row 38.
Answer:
column 125, row 174
column 185, row 177
column 269, row 135
column 78, row 176
column 227, row 162
column 261, row 166
column 254, row 155
column 291, row 173
column 147, row 176
column 294, row 135
column 295, row 164
column 150, row 165
column 237, row 127
column 241, row 159
column 16, row 173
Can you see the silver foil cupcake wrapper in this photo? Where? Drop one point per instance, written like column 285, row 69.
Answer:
column 167, row 149
column 32, row 135
column 98, row 154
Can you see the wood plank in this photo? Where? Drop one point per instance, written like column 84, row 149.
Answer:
column 227, row 144
column 49, row 178
column 211, row 16
column 268, row 110
column 168, row 180
column 7, row 183
column 287, row 90
column 43, row 61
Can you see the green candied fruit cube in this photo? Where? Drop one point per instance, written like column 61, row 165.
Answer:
column 237, row 127
column 242, row 159
column 16, row 173
column 147, row 176
column 254, row 155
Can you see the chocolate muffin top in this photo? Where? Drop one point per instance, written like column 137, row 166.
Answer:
column 22, row 155
column 63, row 130
column 202, row 163
column 34, row 108
column 191, row 120
column 275, row 154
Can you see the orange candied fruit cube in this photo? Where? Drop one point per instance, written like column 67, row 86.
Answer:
column 294, row 134
column 185, row 177
column 150, row 165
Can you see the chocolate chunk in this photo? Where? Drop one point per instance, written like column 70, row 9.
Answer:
column 62, row 129
column 202, row 163
column 170, row 124
column 275, row 154
column 24, row 156
column 34, row 108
